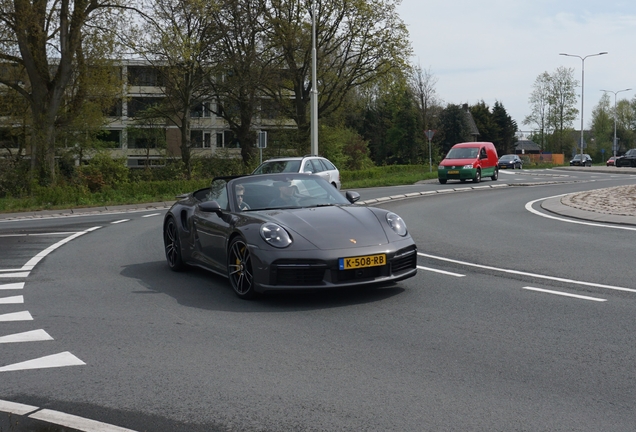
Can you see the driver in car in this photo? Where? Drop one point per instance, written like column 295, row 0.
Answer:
column 286, row 196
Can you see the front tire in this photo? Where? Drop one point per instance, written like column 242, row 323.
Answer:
column 495, row 176
column 442, row 181
column 239, row 268
column 172, row 245
column 477, row 178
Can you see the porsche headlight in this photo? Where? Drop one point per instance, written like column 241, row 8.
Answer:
column 275, row 235
column 469, row 166
column 396, row 223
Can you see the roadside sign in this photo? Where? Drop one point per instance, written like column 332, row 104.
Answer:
column 262, row 139
column 429, row 134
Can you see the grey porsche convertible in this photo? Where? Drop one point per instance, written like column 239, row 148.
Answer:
column 286, row 231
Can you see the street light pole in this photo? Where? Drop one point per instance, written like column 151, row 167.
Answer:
column 314, row 84
column 582, row 88
column 615, row 93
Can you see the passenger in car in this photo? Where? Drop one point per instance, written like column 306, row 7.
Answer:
column 242, row 205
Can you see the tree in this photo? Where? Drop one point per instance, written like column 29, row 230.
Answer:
column 507, row 129
column 485, row 122
column 603, row 123
column 454, row 127
column 176, row 44
column 358, row 41
column 240, row 63
column 562, row 99
column 539, row 105
column 423, row 84
column 52, row 41
column 552, row 103
column 625, row 114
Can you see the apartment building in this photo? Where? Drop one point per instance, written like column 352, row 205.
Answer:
column 143, row 87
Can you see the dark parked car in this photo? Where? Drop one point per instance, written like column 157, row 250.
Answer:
column 576, row 160
column 286, row 231
column 510, row 161
column 627, row 160
column 611, row 161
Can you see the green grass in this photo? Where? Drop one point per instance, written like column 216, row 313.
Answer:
column 72, row 197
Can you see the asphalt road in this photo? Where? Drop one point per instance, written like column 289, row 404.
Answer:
column 514, row 322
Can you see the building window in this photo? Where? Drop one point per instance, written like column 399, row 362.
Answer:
column 8, row 140
column 147, row 76
column 146, row 138
column 138, row 104
column 110, row 138
column 204, row 109
column 115, row 110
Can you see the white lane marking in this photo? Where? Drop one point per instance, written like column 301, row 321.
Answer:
column 440, row 271
column 12, row 300
column 580, row 222
column 16, row 408
column 535, row 275
column 52, row 361
column 38, row 234
column 150, row 215
column 30, row 336
column 16, row 316
column 76, row 422
column 14, row 275
column 565, row 294
column 36, row 259
column 12, row 286
column 119, row 221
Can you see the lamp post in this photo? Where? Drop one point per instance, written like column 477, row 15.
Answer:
column 582, row 88
column 615, row 93
column 314, row 84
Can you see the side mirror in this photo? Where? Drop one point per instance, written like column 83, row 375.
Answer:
column 210, row 207
column 352, row 196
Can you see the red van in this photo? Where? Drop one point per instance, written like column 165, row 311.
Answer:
column 469, row 160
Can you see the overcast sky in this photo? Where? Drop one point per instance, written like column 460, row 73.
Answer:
column 493, row 50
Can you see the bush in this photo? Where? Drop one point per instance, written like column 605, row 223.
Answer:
column 14, row 178
column 103, row 170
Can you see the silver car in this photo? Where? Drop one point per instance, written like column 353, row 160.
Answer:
column 306, row 164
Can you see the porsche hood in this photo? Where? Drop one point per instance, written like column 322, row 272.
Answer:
column 336, row 227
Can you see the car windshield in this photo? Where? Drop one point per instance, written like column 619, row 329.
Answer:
column 278, row 191
column 278, row 166
column 506, row 157
column 463, row 153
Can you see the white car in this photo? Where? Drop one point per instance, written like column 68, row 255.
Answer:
column 305, row 164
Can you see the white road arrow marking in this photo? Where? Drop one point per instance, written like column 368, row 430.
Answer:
column 52, row 361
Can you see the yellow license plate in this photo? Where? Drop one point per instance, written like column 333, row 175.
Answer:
column 362, row 261
column 453, row 171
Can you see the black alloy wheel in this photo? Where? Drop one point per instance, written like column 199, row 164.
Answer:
column 173, row 245
column 477, row 178
column 239, row 267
